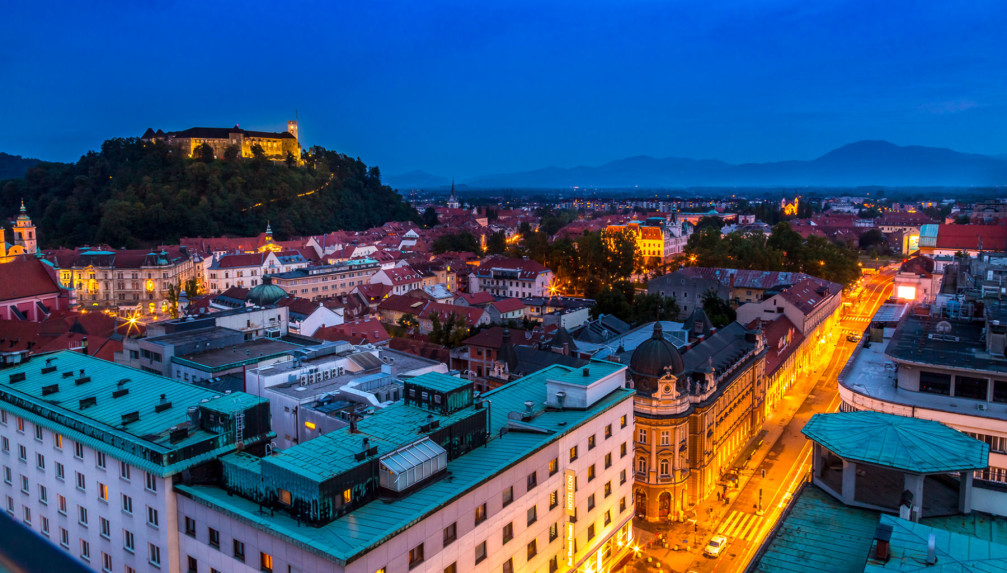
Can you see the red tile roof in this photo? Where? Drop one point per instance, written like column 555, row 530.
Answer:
column 471, row 314
column 403, row 275
column 809, row 293
column 355, row 332
column 374, row 292
column 25, row 277
column 528, row 269
column 508, row 305
column 993, row 237
column 475, row 298
column 782, row 339
column 402, row 303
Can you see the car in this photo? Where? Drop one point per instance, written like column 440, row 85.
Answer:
column 715, row 546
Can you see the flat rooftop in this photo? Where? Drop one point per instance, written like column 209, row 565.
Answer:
column 367, row 527
column 402, row 363
column 209, row 334
column 917, row 340
column 871, row 373
column 244, row 353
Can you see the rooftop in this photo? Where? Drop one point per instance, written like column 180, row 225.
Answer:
column 402, row 363
column 368, row 526
column 116, row 409
column 246, row 353
column 909, row 444
column 955, row 552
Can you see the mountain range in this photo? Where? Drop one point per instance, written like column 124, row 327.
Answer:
column 862, row 163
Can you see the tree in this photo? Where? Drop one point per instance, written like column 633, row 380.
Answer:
column 497, row 243
column 291, row 161
column 612, row 301
column 651, row 307
column 258, row 152
column 203, row 152
column 718, row 310
column 232, row 153
column 455, row 242
column 407, row 321
column 430, row 217
column 709, row 222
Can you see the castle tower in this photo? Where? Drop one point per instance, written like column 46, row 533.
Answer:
column 292, row 129
column 24, row 232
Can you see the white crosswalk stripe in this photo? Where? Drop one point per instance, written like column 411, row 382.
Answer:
column 740, row 525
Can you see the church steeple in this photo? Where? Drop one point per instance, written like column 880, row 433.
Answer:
column 24, row 232
column 453, row 200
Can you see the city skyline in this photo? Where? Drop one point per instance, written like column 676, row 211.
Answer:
column 457, row 90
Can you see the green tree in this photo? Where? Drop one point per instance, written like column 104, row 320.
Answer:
column 612, row 301
column 651, row 307
column 430, row 217
column 258, row 152
column 455, row 242
column 718, row 310
column 407, row 321
column 497, row 243
column 203, row 152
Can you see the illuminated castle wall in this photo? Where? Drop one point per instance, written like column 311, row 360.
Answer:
column 275, row 146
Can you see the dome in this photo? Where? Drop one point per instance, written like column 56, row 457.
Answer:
column 266, row 294
column 654, row 358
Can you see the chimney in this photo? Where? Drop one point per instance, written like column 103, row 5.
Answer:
column 353, row 425
column 882, row 538
column 566, row 349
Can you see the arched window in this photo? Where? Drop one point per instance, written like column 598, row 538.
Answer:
column 664, row 467
column 641, row 465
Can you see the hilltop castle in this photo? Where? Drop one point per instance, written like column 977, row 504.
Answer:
column 276, row 146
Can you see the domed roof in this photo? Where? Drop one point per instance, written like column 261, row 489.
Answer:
column 654, row 358
column 265, row 294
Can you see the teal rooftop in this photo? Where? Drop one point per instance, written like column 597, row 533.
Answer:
column 909, row 444
column 322, row 468
column 144, row 419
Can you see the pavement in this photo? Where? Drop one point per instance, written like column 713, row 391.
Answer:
column 784, row 456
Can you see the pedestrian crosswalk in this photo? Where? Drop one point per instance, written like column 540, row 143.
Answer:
column 740, row 525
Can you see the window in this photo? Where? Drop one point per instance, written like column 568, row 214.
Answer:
column 450, row 534
column 532, row 549
column 641, row 465
column 453, row 568
column 85, row 550
column 43, row 495
column 622, row 477
column 553, row 499
column 416, row 556
column 57, row 441
column 608, row 517
column 99, row 460
column 508, row 532
column 590, row 442
column 622, row 421
column 5, row 444
column 642, row 436
column 664, row 467
column 608, row 431
column 508, row 566
column 22, row 453
column 553, row 564
column 45, row 526
column 608, row 488
column 193, row 564
column 622, row 504
column 665, row 439
column 508, row 496
column 969, row 387
column 573, row 453
column 82, row 515
column 590, row 502
column 38, row 432
column 24, row 484
column 102, row 492
column 265, row 562
column 64, row 538
column 27, row 515
column 532, row 514
column 40, row 461
column 214, row 538
column 127, row 504
column 3, row 417
column 480, row 514
column 190, row 526
column 553, row 532
column 124, row 470
column 285, row 497
column 347, row 496
column 7, row 476
column 20, row 425
column 127, row 540
column 239, row 551
column 590, row 472
column 608, row 460
column 480, row 552
column 590, row 532
column 151, row 482
column 106, row 530
column 151, row 516
column 59, row 471
column 622, row 450
column 106, row 562
column 553, row 466
column 61, row 504
column 532, row 480
column 935, row 382
column 78, row 450
column 81, row 483
column 154, row 555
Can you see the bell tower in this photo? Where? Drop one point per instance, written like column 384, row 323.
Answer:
column 24, row 232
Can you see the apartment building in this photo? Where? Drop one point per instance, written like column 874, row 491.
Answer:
column 511, row 278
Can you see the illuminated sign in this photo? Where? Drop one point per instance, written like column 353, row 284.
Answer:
column 914, row 243
column 906, row 292
column 571, row 544
column 571, row 487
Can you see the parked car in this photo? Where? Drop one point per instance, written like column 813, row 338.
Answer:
column 715, row 546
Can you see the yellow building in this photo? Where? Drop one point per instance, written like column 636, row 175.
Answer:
column 696, row 412
column 275, row 146
column 25, row 238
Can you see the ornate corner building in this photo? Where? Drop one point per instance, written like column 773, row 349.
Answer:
column 25, row 238
column 696, row 411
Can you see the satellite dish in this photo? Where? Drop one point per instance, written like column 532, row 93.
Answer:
column 943, row 327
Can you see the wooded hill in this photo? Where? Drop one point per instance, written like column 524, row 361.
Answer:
column 137, row 194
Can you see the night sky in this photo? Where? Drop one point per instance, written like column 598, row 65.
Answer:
column 470, row 88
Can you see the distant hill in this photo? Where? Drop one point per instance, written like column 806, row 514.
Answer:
column 15, row 166
column 416, row 180
column 138, row 195
column 856, row 164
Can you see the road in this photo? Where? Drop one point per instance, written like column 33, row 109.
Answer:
column 785, row 457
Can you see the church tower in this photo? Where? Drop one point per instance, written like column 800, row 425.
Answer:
column 453, row 200
column 24, row 232
column 292, row 129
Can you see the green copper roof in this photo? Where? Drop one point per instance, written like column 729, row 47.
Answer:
column 366, row 527
column 900, row 442
column 585, row 375
column 440, row 382
column 955, row 551
column 118, row 410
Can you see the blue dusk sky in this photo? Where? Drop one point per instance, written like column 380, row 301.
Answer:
column 468, row 88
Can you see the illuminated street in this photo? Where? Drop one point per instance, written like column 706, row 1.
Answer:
column 784, row 456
